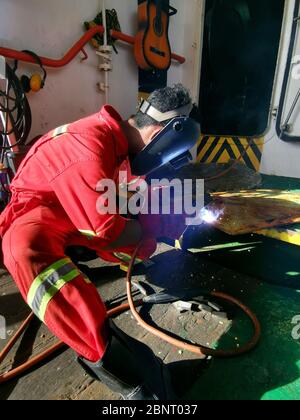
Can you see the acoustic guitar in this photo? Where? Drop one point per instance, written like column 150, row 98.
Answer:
column 152, row 48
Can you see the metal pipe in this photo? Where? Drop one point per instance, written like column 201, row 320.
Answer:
column 104, row 22
column 50, row 62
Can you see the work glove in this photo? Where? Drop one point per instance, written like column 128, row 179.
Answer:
column 162, row 225
column 169, row 226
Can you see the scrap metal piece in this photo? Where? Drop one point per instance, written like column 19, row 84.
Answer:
column 205, row 308
column 182, row 306
column 214, row 306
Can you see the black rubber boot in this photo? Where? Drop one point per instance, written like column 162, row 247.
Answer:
column 131, row 369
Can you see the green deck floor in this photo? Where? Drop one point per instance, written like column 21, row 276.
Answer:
column 272, row 370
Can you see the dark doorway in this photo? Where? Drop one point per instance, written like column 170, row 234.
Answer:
column 241, row 42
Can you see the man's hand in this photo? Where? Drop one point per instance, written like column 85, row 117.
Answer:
column 162, row 225
column 131, row 235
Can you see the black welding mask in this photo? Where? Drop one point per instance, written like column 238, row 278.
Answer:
column 172, row 144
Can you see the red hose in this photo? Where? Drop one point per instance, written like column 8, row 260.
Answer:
column 200, row 350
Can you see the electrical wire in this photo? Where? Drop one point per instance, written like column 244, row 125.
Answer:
column 15, row 109
column 18, row 100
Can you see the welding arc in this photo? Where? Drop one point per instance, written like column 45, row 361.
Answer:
column 200, row 350
column 197, row 349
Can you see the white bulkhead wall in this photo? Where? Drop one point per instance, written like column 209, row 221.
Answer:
column 50, row 28
column 279, row 157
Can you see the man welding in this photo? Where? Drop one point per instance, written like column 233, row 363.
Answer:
column 54, row 206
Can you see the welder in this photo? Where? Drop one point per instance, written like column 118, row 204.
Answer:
column 54, row 206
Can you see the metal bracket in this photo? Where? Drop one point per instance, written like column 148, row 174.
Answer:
column 105, row 52
column 107, row 57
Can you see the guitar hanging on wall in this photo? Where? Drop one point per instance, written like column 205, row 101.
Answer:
column 152, row 48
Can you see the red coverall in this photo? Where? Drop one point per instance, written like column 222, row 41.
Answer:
column 53, row 206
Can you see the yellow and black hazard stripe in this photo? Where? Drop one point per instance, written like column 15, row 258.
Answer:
column 217, row 149
column 289, row 234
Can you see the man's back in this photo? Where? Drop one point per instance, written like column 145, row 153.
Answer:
column 89, row 144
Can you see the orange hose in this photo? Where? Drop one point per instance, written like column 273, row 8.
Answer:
column 200, row 350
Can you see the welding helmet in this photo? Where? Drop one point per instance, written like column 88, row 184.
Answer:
column 172, row 143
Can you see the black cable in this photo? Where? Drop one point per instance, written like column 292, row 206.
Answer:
column 14, row 101
column 112, row 23
column 18, row 100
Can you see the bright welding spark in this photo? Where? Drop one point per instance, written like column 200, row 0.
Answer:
column 209, row 216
